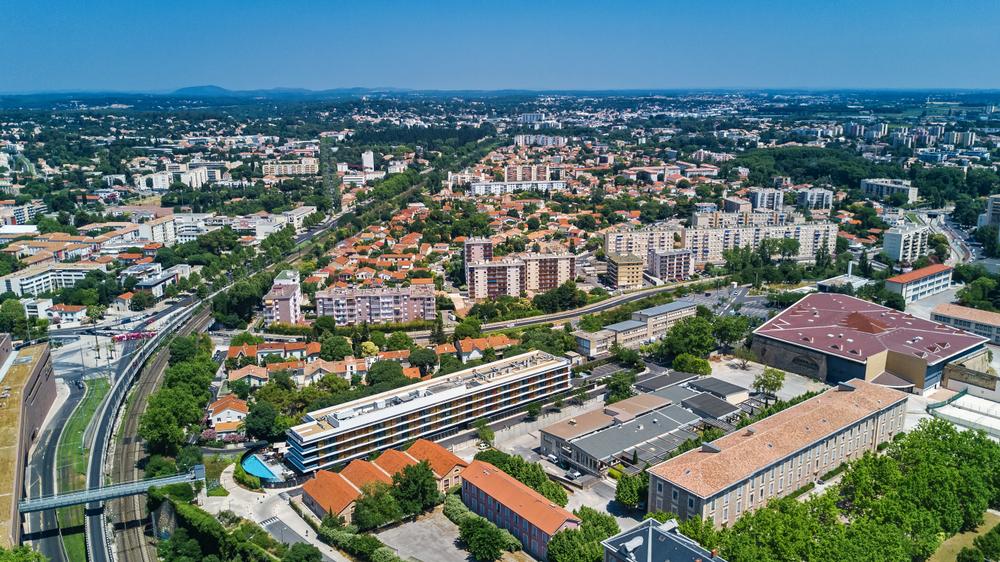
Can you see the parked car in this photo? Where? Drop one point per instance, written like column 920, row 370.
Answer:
column 573, row 474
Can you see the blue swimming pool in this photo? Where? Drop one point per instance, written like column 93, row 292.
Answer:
column 255, row 466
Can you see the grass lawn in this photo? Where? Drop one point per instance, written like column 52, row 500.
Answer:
column 214, row 465
column 949, row 549
column 71, row 459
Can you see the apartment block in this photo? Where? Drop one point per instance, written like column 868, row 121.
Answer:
column 884, row 188
column 544, row 272
column 906, row 243
column 739, row 473
column 708, row 244
column 489, row 280
column 764, row 217
column 476, row 250
column 532, row 519
column 526, row 173
column 506, row 187
column 671, row 265
column 766, row 198
column 428, row 409
column 920, row 283
column 303, row 167
column 162, row 230
column 283, row 303
column 814, row 198
column 641, row 241
column 539, row 140
column 625, row 271
column 377, row 306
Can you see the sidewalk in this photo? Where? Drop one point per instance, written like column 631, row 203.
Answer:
column 271, row 506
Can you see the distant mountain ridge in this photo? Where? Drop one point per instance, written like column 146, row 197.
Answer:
column 214, row 91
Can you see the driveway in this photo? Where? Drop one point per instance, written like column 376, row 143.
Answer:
column 795, row 384
column 431, row 538
column 601, row 496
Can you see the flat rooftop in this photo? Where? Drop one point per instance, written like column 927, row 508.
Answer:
column 599, row 418
column 704, row 404
column 745, row 452
column 625, row 326
column 716, row 386
column 13, row 383
column 662, row 381
column 419, row 395
column 854, row 329
column 669, row 307
column 646, row 428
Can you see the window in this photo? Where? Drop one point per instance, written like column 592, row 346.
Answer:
column 673, row 494
column 690, row 503
column 659, row 487
column 725, row 514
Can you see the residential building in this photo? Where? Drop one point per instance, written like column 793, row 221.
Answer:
column 297, row 216
column 511, row 505
column 652, row 541
column 670, row 265
column 505, row 187
column 368, row 161
column 766, row 198
column 539, row 140
column 906, row 243
column 428, row 409
column 543, row 272
column 641, row 241
column 227, row 413
column 66, row 313
column 980, row 322
column 355, row 305
column 836, row 338
column 47, row 277
column 303, row 167
column 814, row 198
column 476, row 250
column 920, row 283
column 761, row 217
column 992, row 215
column 708, row 244
column 162, row 230
column 526, row 172
column 283, row 303
column 736, row 205
column 624, row 271
column 489, row 280
column 157, row 284
column 883, row 189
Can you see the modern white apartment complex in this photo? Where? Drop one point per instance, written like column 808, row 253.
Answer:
column 641, row 241
column 302, row 167
column 539, row 140
column 906, row 243
column 884, row 188
column 43, row 278
column 377, row 306
column 764, row 217
column 741, row 472
column 505, row 187
column 283, row 303
column 646, row 325
column 162, row 230
column 429, row 409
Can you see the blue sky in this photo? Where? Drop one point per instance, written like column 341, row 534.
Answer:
column 154, row 45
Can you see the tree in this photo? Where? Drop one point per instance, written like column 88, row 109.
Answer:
column 385, row 372
column 744, row 355
column 583, row 544
column 534, row 409
column 245, row 338
column 437, row 332
column 335, row 348
column 369, row 349
column 241, row 388
column 13, row 318
column 692, row 335
column 376, row 507
column 687, row 363
column 302, row 552
column 730, row 329
column 468, row 328
column 399, row 340
column 262, row 422
column 415, row 488
column 141, row 300
column 620, row 387
column 161, row 431
column 895, row 300
column 627, row 490
column 483, row 539
column 970, row 554
column 769, row 382
column 425, row 359
column 95, row 312
column 580, row 395
column 483, row 431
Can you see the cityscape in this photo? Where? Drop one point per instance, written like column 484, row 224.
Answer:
column 493, row 312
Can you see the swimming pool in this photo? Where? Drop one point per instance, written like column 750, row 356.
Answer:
column 255, row 466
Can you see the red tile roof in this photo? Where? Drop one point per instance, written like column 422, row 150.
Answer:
column 361, row 473
column 228, row 402
column 442, row 460
column 522, row 500
column 392, row 461
column 919, row 274
column 331, row 491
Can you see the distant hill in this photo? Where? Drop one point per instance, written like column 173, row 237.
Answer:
column 212, row 91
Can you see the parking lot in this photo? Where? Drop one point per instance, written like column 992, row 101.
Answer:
column 795, row 385
column 431, row 538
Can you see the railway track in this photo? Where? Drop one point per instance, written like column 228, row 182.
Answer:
column 131, row 519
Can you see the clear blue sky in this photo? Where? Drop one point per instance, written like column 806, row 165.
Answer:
column 474, row 44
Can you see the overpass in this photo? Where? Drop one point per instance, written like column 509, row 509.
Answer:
column 104, row 493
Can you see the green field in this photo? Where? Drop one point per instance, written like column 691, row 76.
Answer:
column 950, row 548
column 71, row 460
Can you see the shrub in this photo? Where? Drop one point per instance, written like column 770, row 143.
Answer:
column 385, row 554
column 244, row 479
column 455, row 510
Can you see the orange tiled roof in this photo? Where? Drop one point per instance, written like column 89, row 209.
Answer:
column 442, row 460
column 517, row 497
column 392, row 461
column 331, row 491
column 228, row 402
column 360, row 473
column 919, row 273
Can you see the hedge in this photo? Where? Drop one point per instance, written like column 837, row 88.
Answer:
column 242, row 477
column 456, row 512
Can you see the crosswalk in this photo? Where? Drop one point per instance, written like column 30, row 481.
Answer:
column 268, row 521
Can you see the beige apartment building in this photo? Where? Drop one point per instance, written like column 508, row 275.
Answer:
column 772, row 458
column 625, row 271
column 303, row 167
column 708, row 244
